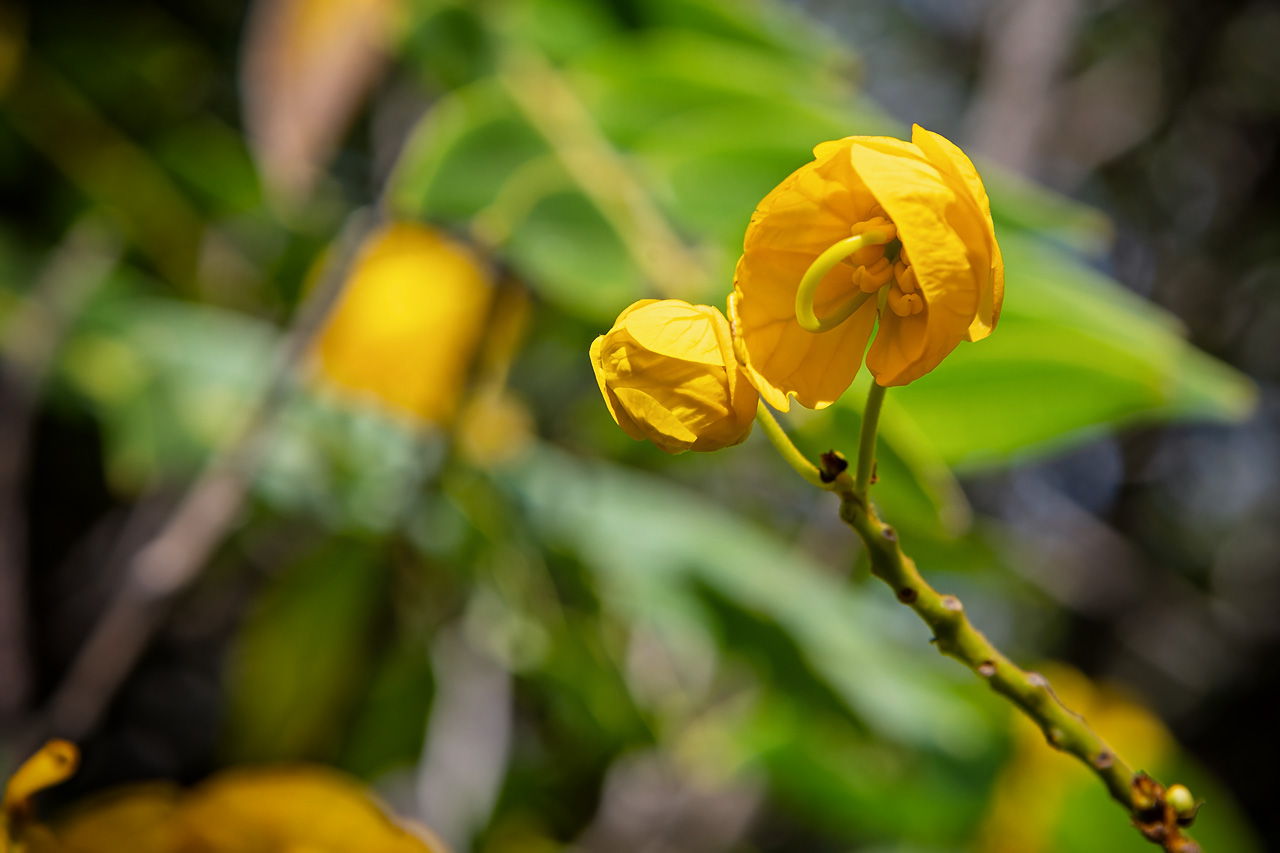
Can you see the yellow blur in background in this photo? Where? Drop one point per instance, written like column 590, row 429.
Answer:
column 245, row 810
column 408, row 323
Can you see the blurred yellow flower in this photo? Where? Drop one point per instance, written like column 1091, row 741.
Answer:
column 898, row 230
column 246, row 810
column 668, row 373
column 494, row 428
column 407, row 326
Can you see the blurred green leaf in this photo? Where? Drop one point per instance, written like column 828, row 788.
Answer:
column 1073, row 354
column 387, row 730
column 608, row 516
column 302, row 655
column 858, row 786
column 170, row 380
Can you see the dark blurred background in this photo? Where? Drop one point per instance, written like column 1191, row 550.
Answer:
column 1160, row 542
column 529, row 653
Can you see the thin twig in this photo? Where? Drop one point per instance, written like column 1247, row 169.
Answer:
column 30, row 342
column 170, row 560
column 547, row 101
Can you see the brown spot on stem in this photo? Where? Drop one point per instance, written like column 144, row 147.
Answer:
column 987, row 668
column 889, row 533
column 950, row 602
column 907, row 595
column 833, row 465
column 1103, row 760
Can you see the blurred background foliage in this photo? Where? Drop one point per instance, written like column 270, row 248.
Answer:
column 435, row 563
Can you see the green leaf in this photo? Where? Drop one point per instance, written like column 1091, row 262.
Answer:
column 170, row 380
column 301, row 656
column 1074, row 354
column 649, row 542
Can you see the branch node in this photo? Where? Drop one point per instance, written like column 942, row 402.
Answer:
column 950, row 602
column 889, row 533
column 1103, row 760
column 987, row 668
column 907, row 595
column 834, row 464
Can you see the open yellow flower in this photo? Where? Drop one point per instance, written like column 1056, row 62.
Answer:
column 882, row 227
column 668, row 374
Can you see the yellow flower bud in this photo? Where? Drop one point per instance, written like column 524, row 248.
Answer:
column 668, row 373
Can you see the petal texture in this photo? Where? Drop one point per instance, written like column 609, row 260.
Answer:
column 668, row 374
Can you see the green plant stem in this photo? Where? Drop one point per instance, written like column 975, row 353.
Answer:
column 782, row 442
column 956, row 637
column 867, row 441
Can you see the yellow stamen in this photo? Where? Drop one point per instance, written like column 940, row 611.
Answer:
column 872, row 277
column 904, row 304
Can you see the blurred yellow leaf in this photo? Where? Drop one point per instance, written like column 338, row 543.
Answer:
column 306, row 66
column 407, row 326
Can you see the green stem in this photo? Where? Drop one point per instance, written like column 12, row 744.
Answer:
column 867, row 441
column 789, row 451
column 955, row 636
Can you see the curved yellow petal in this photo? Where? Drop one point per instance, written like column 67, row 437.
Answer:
column 668, row 373
column 940, row 236
column 955, row 164
column 677, row 330
column 812, row 209
column 904, row 350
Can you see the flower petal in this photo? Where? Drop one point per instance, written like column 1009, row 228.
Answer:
column 904, row 350
column 955, row 163
column 675, row 329
column 938, row 228
column 804, row 215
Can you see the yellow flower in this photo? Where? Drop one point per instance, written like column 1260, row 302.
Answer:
column 407, row 326
column 922, row 200
column 244, row 810
column 668, row 374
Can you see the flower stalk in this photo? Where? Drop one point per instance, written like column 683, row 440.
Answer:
column 867, row 444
